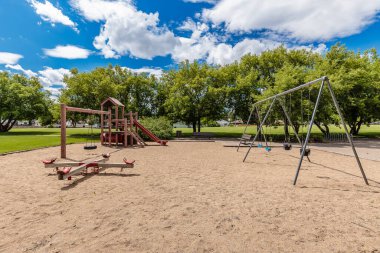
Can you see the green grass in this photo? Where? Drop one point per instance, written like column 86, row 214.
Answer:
column 32, row 138
column 370, row 132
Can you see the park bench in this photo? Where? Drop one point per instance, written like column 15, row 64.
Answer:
column 203, row 135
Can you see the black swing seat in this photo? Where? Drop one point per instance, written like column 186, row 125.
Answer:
column 89, row 147
column 307, row 151
column 287, row 146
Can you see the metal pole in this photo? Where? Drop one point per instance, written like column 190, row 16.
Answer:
column 258, row 131
column 259, row 118
column 290, row 122
column 246, row 126
column 291, row 90
column 346, row 130
column 309, row 131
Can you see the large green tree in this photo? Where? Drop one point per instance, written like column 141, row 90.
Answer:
column 195, row 91
column 21, row 98
column 355, row 80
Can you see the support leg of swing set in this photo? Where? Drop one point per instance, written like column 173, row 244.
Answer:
column 309, row 131
column 291, row 124
column 346, row 130
column 260, row 128
column 246, row 126
column 262, row 132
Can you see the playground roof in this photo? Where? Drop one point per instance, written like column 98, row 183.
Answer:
column 112, row 100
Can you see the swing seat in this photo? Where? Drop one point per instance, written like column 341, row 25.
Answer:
column 259, row 145
column 89, row 147
column 287, row 146
column 268, row 149
column 307, row 151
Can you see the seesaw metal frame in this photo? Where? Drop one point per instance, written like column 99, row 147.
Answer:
column 323, row 81
column 79, row 167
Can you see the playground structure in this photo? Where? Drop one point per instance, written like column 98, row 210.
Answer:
column 115, row 128
column 65, row 170
column 304, row 151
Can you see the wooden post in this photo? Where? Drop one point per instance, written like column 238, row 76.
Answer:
column 63, row 131
column 117, row 124
column 101, row 125
column 136, row 117
column 131, row 126
column 125, row 133
column 109, row 126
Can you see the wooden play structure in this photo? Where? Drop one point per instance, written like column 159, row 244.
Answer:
column 116, row 126
column 65, row 170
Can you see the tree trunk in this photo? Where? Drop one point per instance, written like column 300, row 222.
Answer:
column 199, row 125
column 320, row 127
column 297, row 128
column 7, row 125
column 355, row 127
column 194, row 126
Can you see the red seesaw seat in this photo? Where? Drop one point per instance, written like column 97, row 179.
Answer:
column 128, row 161
column 108, row 155
column 49, row 161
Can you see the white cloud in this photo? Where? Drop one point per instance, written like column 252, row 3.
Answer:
column 224, row 54
column 18, row 67
column 51, row 14
column 67, row 52
column 201, row 1
column 55, row 92
column 197, row 46
column 203, row 45
column 125, row 30
column 306, row 20
column 50, row 76
column 150, row 71
column 9, row 58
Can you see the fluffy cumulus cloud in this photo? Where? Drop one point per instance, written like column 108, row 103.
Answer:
column 9, row 58
column 150, row 71
column 49, row 13
column 197, row 45
column 305, row 20
column 67, row 52
column 50, row 76
column 18, row 67
column 126, row 30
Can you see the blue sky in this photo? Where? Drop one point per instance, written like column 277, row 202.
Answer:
column 47, row 38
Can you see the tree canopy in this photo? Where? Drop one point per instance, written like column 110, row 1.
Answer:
column 196, row 92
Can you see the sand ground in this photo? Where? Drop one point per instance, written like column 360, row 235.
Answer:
column 191, row 197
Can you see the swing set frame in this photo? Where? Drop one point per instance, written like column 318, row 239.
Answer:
column 324, row 81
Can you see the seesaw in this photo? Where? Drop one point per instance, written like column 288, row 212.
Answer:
column 65, row 170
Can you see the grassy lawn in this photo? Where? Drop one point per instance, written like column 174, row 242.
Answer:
column 370, row 132
column 32, row 138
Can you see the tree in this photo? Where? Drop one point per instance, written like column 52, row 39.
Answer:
column 21, row 98
column 355, row 80
column 194, row 92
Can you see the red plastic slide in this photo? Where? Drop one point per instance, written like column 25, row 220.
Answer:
column 149, row 133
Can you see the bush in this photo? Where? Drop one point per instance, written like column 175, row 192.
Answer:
column 161, row 127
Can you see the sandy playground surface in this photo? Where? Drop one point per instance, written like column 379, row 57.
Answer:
column 191, row 197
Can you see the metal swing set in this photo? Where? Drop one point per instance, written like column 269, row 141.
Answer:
column 304, row 151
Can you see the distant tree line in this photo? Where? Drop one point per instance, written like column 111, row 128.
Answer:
column 198, row 92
